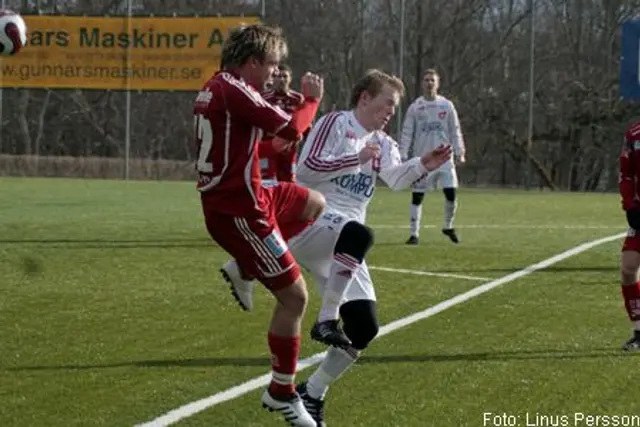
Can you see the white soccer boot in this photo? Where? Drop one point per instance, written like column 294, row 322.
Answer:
column 292, row 410
column 241, row 289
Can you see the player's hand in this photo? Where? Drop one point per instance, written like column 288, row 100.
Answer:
column 633, row 217
column 462, row 158
column 370, row 151
column 312, row 85
column 433, row 160
column 281, row 145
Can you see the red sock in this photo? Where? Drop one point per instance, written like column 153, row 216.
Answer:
column 631, row 296
column 284, row 357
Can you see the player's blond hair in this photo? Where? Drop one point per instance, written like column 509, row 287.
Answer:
column 256, row 40
column 372, row 82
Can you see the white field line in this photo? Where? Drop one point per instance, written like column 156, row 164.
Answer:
column 429, row 273
column 197, row 406
column 513, row 226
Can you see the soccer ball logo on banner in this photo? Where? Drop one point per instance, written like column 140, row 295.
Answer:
column 13, row 33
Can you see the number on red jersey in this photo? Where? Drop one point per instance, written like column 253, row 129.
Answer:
column 204, row 141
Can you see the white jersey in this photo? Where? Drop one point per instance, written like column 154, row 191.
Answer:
column 429, row 124
column 329, row 164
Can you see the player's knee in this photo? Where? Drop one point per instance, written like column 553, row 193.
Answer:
column 628, row 271
column 417, row 198
column 449, row 194
column 629, row 265
column 360, row 322
column 315, row 205
column 355, row 239
column 293, row 298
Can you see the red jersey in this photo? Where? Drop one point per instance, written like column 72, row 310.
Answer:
column 279, row 166
column 630, row 167
column 230, row 118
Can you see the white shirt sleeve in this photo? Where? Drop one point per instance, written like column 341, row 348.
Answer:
column 408, row 132
column 396, row 174
column 454, row 131
column 322, row 157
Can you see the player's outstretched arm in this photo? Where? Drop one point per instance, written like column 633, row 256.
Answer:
column 246, row 103
column 408, row 133
column 322, row 157
column 398, row 175
column 302, row 118
column 455, row 133
column 626, row 181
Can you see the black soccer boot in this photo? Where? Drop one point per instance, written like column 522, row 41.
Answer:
column 315, row 407
column 413, row 240
column 634, row 343
column 451, row 234
column 330, row 333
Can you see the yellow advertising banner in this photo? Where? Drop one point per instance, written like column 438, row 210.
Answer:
column 138, row 53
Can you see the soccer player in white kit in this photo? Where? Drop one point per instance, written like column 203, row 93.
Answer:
column 432, row 120
column 344, row 155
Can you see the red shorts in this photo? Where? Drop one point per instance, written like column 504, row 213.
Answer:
column 255, row 242
column 632, row 241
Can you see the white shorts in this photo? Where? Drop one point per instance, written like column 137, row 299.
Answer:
column 313, row 250
column 437, row 180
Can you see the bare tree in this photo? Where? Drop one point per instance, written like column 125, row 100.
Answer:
column 481, row 48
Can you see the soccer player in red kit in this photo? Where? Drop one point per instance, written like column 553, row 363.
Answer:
column 278, row 166
column 630, row 260
column 240, row 215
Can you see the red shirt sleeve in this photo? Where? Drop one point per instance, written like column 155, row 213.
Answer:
column 247, row 104
column 302, row 119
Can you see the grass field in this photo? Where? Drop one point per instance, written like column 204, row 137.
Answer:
column 113, row 313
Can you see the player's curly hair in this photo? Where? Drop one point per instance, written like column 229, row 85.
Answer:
column 372, row 82
column 256, row 40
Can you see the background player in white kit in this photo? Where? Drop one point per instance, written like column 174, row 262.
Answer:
column 342, row 158
column 432, row 120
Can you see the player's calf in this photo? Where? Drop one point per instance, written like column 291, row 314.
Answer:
column 360, row 322
column 353, row 243
column 450, row 207
column 415, row 217
column 361, row 326
column 284, row 336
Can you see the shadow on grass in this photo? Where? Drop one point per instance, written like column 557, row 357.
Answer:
column 110, row 244
column 489, row 356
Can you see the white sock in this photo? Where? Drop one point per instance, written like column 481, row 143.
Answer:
column 340, row 276
column 336, row 363
column 416, row 215
column 449, row 213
